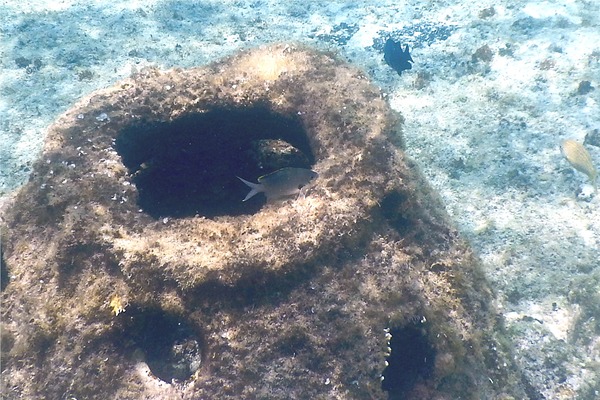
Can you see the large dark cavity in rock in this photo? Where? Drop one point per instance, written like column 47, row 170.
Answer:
column 189, row 166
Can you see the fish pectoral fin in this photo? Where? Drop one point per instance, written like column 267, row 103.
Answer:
column 303, row 190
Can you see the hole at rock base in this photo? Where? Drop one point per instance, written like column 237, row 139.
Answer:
column 411, row 360
column 172, row 348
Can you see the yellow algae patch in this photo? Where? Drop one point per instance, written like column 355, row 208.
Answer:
column 117, row 305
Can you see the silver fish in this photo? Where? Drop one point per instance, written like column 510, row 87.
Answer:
column 281, row 183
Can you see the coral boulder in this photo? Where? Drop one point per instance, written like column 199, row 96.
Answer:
column 136, row 271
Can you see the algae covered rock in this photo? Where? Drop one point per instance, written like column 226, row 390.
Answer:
column 136, row 271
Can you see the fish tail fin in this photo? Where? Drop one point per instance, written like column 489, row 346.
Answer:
column 255, row 188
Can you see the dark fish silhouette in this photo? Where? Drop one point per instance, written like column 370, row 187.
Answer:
column 397, row 58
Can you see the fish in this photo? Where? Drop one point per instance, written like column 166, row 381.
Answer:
column 395, row 57
column 580, row 159
column 281, row 183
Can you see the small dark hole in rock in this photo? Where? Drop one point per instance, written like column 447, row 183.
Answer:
column 4, row 276
column 189, row 166
column 293, row 341
column 392, row 208
column 173, row 349
column 410, row 362
column 7, row 341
